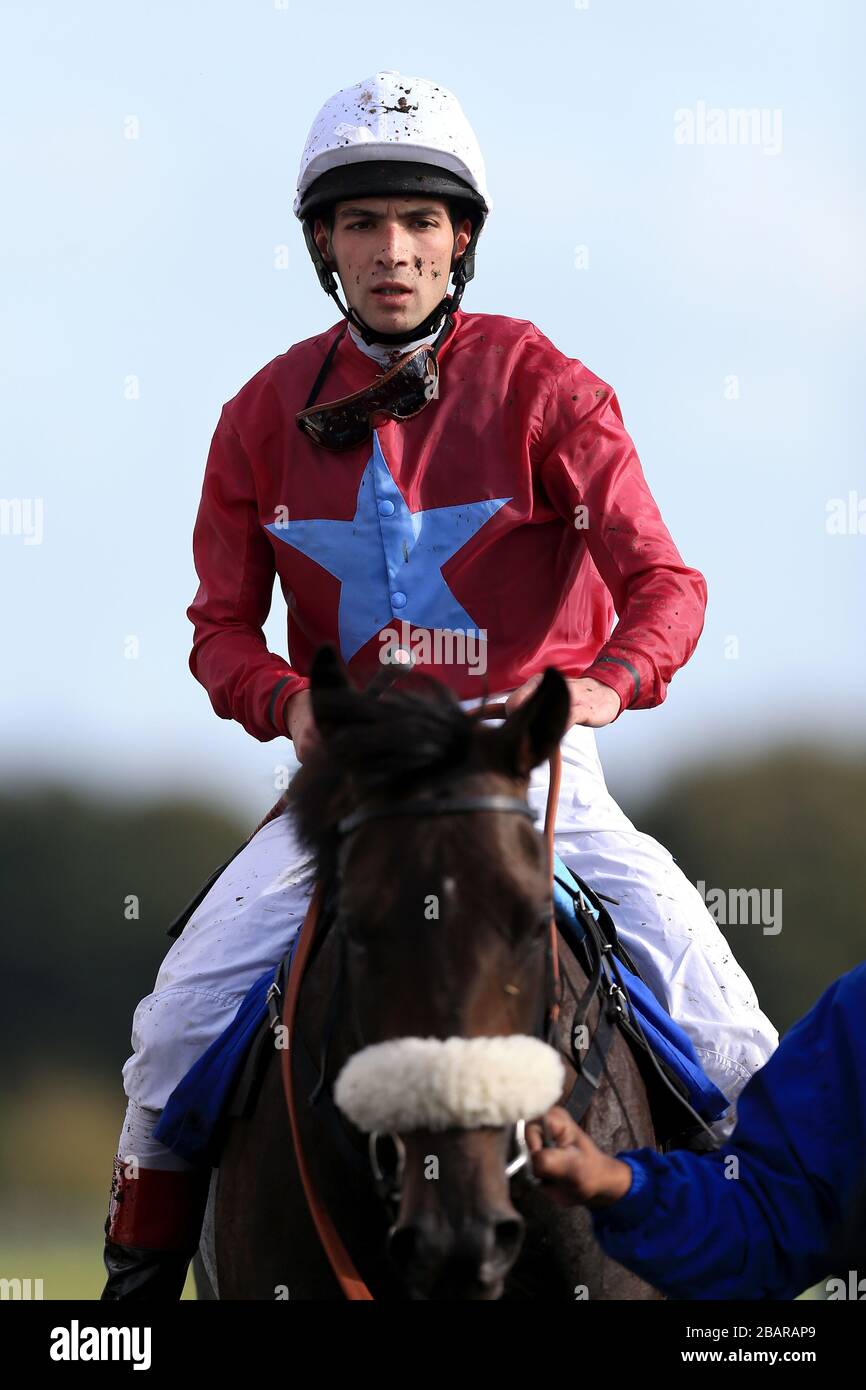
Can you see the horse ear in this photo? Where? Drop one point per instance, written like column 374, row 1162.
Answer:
column 530, row 734
column 327, row 670
column 330, row 689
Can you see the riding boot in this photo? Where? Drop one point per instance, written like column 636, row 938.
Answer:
column 152, row 1231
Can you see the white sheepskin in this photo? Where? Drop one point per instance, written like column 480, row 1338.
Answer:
column 463, row 1083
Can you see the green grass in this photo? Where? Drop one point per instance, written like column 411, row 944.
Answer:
column 70, row 1268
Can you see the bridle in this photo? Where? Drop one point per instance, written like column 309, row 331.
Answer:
column 388, row 1186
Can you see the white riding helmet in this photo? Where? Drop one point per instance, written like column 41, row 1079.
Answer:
column 392, row 134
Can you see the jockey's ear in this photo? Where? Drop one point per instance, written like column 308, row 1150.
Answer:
column 534, row 729
column 333, row 695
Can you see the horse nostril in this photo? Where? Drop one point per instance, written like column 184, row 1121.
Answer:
column 402, row 1244
column 480, row 1254
column 508, row 1236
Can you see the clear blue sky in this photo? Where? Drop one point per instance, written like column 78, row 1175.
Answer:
column 152, row 260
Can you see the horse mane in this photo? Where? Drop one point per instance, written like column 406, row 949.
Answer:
column 377, row 746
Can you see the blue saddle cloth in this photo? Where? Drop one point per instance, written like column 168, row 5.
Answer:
column 190, row 1124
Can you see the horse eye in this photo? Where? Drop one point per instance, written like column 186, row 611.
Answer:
column 542, row 920
column 350, row 928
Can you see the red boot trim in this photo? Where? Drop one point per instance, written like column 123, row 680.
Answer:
column 160, row 1209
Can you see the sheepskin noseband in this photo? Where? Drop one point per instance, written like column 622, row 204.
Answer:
column 463, row 1083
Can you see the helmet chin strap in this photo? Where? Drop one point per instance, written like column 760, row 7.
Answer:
column 463, row 272
column 421, row 330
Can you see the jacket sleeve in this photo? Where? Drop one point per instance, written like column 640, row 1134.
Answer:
column 235, row 565
column 783, row 1203
column 592, row 475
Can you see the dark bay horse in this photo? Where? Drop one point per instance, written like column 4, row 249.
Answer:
column 390, row 968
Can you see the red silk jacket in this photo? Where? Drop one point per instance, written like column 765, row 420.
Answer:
column 492, row 535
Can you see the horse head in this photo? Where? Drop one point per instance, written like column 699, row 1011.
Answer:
column 415, row 810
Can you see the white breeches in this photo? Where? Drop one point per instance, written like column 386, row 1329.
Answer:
column 248, row 919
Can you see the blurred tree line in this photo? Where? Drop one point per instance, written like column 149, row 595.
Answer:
column 790, row 821
column 73, row 964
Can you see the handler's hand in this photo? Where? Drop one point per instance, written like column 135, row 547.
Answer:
column 576, row 1169
column 301, row 724
column 592, row 703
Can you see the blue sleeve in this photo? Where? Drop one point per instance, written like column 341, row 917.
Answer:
column 771, row 1212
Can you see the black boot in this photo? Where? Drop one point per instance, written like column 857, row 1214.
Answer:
column 155, row 1276
column 152, row 1231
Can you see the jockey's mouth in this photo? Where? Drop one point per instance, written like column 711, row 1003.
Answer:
column 392, row 293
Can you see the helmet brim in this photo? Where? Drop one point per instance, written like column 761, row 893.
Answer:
column 380, row 177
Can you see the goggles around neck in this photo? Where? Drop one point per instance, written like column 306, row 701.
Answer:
column 403, row 391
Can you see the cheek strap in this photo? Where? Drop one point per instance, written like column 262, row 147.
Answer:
column 462, row 1083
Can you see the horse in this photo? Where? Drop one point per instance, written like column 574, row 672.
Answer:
column 440, row 930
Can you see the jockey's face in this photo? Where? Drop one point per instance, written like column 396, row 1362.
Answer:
column 406, row 241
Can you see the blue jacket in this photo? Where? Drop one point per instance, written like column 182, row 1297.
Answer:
column 797, row 1211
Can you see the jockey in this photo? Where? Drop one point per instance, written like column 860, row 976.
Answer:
column 477, row 507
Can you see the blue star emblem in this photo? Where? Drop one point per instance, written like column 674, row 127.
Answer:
column 389, row 560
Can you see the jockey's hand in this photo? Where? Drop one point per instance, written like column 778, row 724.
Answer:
column 592, row 702
column 301, row 724
column 575, row 1171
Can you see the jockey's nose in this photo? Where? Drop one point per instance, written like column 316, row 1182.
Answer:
column 439, row 1262
column 394, row 246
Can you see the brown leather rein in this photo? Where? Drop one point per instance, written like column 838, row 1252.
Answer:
column 349, row 1279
